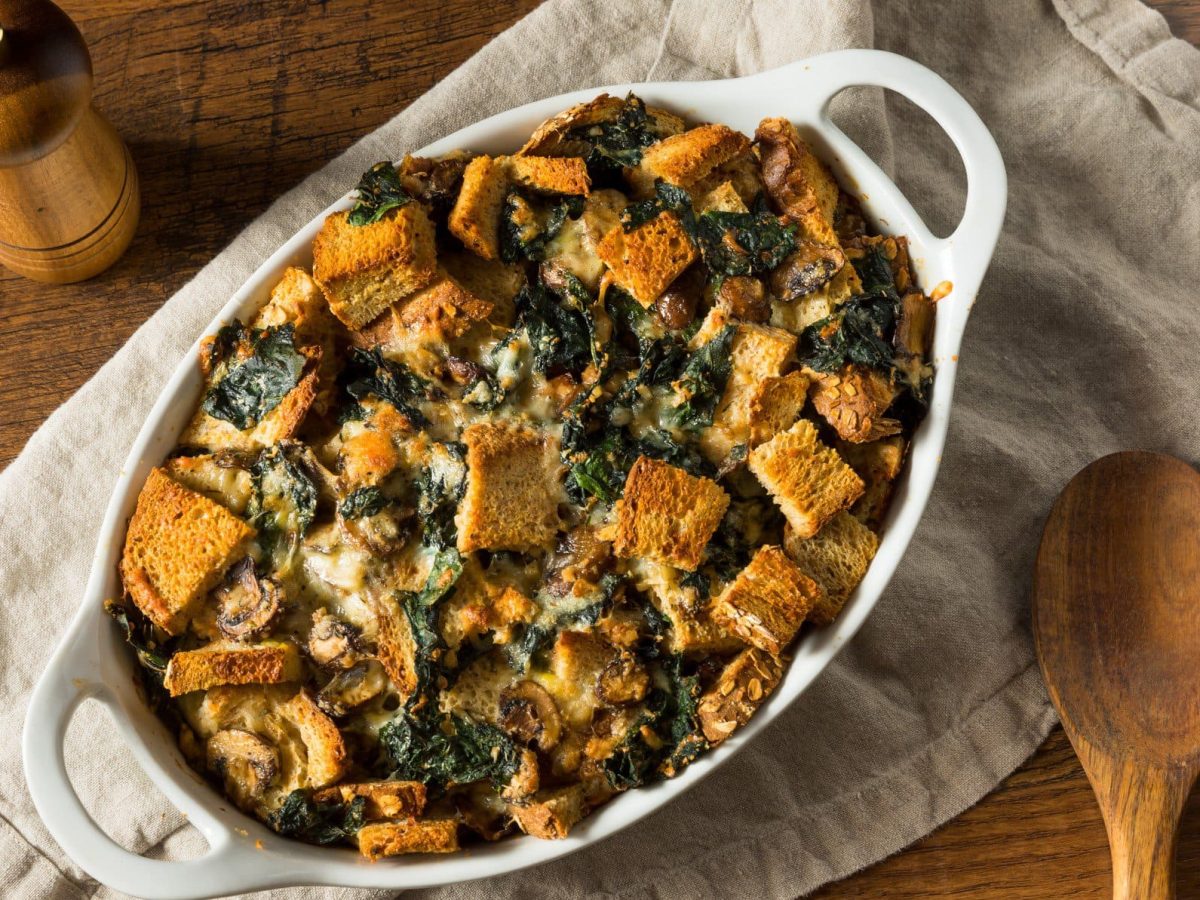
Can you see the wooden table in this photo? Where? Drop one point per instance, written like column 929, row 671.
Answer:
column 201, row 91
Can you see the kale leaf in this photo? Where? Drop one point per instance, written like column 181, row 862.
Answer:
column 702, row 381
column 254, row 386
column 369, row 374
column 448, row 750
column 667, row 198
column 439, row 488
column 744, row 243
column 284, row 499
column 379, row 192
column 423, row 610
column 528, row 224
column 140, row 633
column 362, row 502
column 617, row 144
column 317, row 823
column 560, row 332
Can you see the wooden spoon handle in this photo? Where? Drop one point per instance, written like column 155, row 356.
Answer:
column 1142, row 806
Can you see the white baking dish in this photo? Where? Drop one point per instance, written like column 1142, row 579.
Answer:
column 93, row 662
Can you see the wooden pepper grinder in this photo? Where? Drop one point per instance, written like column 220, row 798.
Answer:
column 69, row 200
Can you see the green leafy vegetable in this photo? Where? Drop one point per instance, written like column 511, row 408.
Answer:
column 448, row 750
column 744, row 243
column 667, row 198
column 252, row 387
column 702, row 382
column 560, row 332
column 284, row 498
column 379, row 192
column 152, row 648
column 528, row 224
column 619, row 143
column 317, row 823
column 362, row 502
column 440, row 487
column 584, row 611
column 370, row 374
column 423, row 609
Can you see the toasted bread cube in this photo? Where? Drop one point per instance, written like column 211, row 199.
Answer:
column 647, row 259
column 742, row 173
column 491, row 280
column 666, row 514
column 178, row 545
column 693, row 629
column 443, row 310
column 379, row 839
column 723, row 198
column 396, row 648
column 363, row 269
column 796, row 315
column 853, row 400
column 550, row 175
column 799, row 184
column 384, row 799
column 552, row 813
column 775, row 404
column 767, row 602
column 807, row 480
column 298, row 299
column 684, row 159
column 475, row 219
column 836, row 558
column 514, row 484
column 554, row 136
column 208, row 474
column 877, row 464
column 745, row 682
column 228, row 663
column 325, row 751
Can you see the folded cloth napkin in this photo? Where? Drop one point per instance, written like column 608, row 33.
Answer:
column 1083, row 342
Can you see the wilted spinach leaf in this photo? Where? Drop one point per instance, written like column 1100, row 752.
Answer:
column 370, row 374
column 448, row 750
column 317, row 823
column 252, row 387
column 744, row 243
column 440, row 487
column 667, row 198
column 703, row 381
column 284, row 498
column 379, row 192
column 423, row 609
column 362, row 502
column 619, row 143
column 560, row 332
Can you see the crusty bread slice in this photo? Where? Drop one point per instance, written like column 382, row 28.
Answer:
column 178, row 545
column 807, row 480
column 684, row 159
column 514, row 484
column 799, row 184
column 475, row 218
column 877, row 464
column 775, row 404
column 647, row 259
column 836, row 557
column 379, row 839
column 384, row 799
column 363, row 269
column 666, row 514
column 853, row 400
column 395, row 646
column 767, row 601
column 553, row 137
column 693, row 629
column 441, row 311
column 550, row 175
column 325, row 751
column 745, row 682
column 551, row 814
column 221, row 662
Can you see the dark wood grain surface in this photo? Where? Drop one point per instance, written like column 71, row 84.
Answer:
column 206, row 92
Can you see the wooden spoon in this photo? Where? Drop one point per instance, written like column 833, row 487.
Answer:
column 1116, row 616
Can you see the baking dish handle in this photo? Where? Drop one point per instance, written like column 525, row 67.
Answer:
column 973, row 240
column 69, row 679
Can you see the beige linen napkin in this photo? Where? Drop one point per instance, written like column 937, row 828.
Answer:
column 1083, row 342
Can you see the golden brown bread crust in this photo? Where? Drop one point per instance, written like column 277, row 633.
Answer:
column 396, row 647
column 475, row 219
column 775, row 404
column 878, row 464
column 693, row 629
column 443, row 310
column 666, row 514
column 326, row 751
column 837, row 558
column 807, row 480
column 178, row 546
column 217, row 664
column 383, row 799
column 551, row 137
column 552, row 813
column 684, row 159
column 798, row 183
column 363, row 269
column 379, row 839
column 768, row 600
column 745, row 682
column 853, row 400
column 513, row 488
column 551, row 175
column 647, row 259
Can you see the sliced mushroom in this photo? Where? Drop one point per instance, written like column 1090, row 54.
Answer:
column 352, row 687
column 622, row 681
column 248, row 604
column 744, row 298
column 246, row 763
column 581, row 556
column 383, row 533
column 529, row 713
column 676, row 307
column 914, row 329
column 810, row 267
column 332, row 642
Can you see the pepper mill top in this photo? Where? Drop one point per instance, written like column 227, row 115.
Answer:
column 45, row 79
